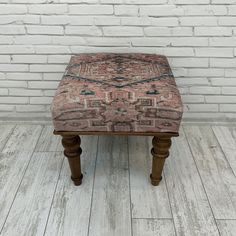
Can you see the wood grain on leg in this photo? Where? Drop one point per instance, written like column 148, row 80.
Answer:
column 160, row 152
column 72, row 151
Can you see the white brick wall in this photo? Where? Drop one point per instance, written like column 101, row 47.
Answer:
column 37, row 38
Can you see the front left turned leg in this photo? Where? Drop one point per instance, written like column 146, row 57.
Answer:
column 160, row 152
column 71, row 144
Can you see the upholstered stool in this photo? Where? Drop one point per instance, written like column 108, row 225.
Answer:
column 117, row 94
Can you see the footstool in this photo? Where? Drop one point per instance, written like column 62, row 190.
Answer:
column 117, row 94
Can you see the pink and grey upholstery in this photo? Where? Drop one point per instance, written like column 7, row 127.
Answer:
column 117, row 93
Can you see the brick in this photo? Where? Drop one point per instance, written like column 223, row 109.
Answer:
column 178, row 52
column 2, row 76
column 228, row 21
column 14, row 100
column 220, row 99
column 133, row 21
column 59, row 59
column 19, row 19
column 190, row 2
column 232, row 10
column 198, row 21
column 138, row 2
column 94, row 41
column 222, row 41
column 202, row 107
column 49, row 93
column 106, row 20
column 223, row 62
column 204, row 90
column 48, row 30
column 52, row 49
column 189, row 62
column 229, row 90
column 16, row 49
column 213, row 31
column 91, row 9
column 228, row 108
column 214, row 52
column 13, row 84
column 126, row 10
column 13, row 67
column 30, row 108
column 166, row 31
column 6, row 107
column 66, row 20
column 149, row 42
column 192, row 98
column 29, row 1
column 23, row 76
column 209, row 72
column 79, row 1
column 223, row 1
column 47, row 9
column 3, row 91
column 192, row 81
column 112, row 1
column 205, row 10
column 83, row 30
column 5, row 59
column 12, row 9
column 68, row 40
column 40, row 100
column 122, row 31
column 32, row 40
column 164, row 21
column 189, row 41
column 159, row 10
column 12, row 29
column 47, row 68
column 52, row 76
column 230, row 72
column 29, row 59
column 6, row 40
column 43, row 84
column 25, row 92
column 223, row 81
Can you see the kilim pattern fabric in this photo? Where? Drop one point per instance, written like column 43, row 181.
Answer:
column 103, row 92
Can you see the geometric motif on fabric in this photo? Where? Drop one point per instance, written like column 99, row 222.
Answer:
column 117, row 93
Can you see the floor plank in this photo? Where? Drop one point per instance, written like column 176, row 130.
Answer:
column 14, row 159
column 110, row 213
column 49, row 142
column 147, row 201
column 216, row 174
column 5, row 131
column 31, row 206
column 70, row 210
column 227, row 227
column 227, row 138
column 153, row 227
column 191, row 211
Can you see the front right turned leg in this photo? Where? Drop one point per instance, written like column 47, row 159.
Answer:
column 160, row 152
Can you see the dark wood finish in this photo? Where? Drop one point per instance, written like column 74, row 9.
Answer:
column 164, row 134
column 160, row 152
column 71, row 144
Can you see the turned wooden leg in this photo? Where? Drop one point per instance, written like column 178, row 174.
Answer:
column 73, row 151
column 160, row 152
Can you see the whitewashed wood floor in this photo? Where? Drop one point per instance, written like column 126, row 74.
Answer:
column 196, row 197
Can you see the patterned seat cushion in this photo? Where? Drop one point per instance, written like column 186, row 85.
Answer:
column 117, row 93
